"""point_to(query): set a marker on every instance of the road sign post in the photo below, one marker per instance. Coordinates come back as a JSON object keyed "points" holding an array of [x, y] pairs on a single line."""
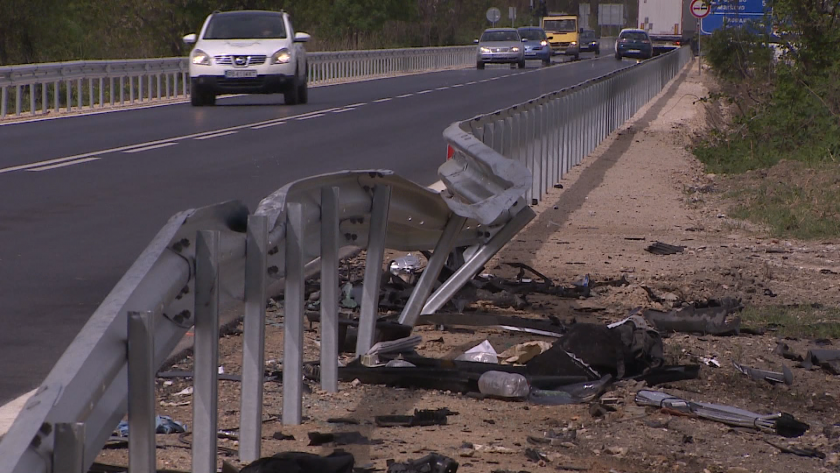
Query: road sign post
{"points": [[700, 9]]}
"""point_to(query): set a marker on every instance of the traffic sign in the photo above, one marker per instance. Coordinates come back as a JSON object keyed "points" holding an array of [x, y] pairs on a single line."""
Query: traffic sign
{"points": [[700, 9], [493, 15]]}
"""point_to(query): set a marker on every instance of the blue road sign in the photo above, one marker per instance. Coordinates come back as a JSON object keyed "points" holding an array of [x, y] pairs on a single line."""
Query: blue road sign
{"points": [[733, 12]]}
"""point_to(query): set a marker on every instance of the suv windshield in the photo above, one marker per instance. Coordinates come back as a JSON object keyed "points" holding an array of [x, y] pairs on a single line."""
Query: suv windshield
{"points": [[587, 35], [633, 36], [246, 25], [532, 35], [560, 26], [500, 36]]}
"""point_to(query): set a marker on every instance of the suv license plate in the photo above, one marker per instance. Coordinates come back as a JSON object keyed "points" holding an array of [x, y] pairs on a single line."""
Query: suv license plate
{"points": [[233, 74]]}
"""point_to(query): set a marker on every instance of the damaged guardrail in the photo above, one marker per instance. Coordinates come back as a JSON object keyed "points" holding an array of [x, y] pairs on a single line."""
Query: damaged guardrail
{"points": [[554, 132], [217, 258], [40, 89]]}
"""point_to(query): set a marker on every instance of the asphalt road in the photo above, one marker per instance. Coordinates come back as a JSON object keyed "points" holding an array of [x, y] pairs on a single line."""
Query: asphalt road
{"points": [[82, 196]]}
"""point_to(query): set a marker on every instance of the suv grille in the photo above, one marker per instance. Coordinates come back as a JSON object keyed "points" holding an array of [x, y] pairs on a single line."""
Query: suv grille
{"points": [[240, 60]]}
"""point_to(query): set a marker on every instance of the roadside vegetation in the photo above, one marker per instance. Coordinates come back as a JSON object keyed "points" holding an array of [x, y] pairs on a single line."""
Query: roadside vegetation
{"points": [[781, 101]]}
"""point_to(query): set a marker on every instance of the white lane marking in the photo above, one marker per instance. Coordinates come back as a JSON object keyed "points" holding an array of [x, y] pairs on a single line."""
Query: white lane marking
{"points": [[404, 96], [442, 88], [217, 135], [55, 166], [152, 143], [149, 148], [9, 412], [383, 100], [310, 116], [343, 110], [266, 126], [354, 105], [472, 82], [424, 92], [457, 85]]}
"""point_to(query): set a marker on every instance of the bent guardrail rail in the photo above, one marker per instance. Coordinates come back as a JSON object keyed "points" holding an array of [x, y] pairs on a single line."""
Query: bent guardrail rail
{"points": [[39, 89]]}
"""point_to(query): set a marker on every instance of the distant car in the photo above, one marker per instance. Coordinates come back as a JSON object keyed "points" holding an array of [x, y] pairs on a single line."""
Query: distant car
{"points": [[536, 44], [633, 43], [588, 42], [247, 52], [500, 46]]}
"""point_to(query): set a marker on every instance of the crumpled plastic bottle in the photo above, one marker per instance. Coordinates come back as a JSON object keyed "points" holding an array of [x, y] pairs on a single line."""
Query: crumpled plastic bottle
{"points": [[502, 384]]}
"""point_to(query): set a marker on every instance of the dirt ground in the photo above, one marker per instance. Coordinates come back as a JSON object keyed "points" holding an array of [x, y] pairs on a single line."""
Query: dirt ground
{"points": [[641, 185]]}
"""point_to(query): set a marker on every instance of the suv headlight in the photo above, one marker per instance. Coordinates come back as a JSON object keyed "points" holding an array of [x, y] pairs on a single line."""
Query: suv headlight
{"points": [[282, 56], [574, 43], [514, 49], [484, 49], [543, 43], [200, 58]]}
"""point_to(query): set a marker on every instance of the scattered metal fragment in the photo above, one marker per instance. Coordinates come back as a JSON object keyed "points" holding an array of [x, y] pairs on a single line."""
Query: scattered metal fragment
{"points": [[829, 360], [431, 463], [281, 436], [343, 420], [406, 268], [402, 345], [659, 248], [802, 452], [781, 423], [786, 376], [535, 455], [784, 350]]}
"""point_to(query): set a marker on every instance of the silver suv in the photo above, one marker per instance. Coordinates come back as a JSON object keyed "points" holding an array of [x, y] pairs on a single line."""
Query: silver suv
{"points": [[247, 52], [500, 46]]}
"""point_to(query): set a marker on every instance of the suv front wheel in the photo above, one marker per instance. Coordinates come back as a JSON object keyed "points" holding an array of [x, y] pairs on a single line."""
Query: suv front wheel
{"points": [[297, 92], [199, 98]]}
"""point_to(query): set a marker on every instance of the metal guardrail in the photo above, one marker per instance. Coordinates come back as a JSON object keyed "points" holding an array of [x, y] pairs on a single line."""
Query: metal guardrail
{"points": [[554, 132], [222, 257], [39, 89]]}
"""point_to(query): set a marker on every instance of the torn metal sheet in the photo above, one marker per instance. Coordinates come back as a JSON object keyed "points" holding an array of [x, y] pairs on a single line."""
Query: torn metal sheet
{"points": [[659, 248], [827, 359], [786, 376], [712, 318], [781, 423]]}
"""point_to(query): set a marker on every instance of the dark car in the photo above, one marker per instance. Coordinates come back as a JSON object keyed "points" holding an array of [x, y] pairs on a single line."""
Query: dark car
{"points": [[633, 43], [536, 44], [589, 42]]}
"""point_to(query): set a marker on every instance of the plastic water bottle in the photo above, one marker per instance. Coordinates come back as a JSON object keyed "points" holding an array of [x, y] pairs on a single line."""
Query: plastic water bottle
{"points": [[502, 384]]}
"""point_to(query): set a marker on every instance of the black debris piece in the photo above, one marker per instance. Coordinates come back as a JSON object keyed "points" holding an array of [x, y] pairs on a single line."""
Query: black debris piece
{"points": [[669, 374], [343, 420], [535, 455], [281, 436], [300, 462], [829, 360], [784, 350], [421, 418], [431, 463], [802, 452], [659, 248], [710, 318], [340, 438]]}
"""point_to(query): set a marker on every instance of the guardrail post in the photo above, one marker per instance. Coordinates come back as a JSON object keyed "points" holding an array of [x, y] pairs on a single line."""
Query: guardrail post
{"points": [[90, 92], [69, 450], [4, 101], [424, 286], [206, 348], [167, 78], [101, 92], [253, 345], [469, 269], [373, 268], [293, 316], [140, 89], [141, 392], [158, 85], [18, 100], [32, 95], [329, 288], [79, 95], [45, 101]]}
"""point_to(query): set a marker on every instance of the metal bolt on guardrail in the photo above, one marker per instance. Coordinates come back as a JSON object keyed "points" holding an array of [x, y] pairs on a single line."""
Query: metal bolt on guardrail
{"points": [[40, 89], [221, 257]]}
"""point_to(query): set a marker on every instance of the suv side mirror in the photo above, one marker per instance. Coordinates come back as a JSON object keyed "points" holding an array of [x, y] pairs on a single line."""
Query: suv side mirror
{"points": [[475, 41], [190, 38], [302, 37], [524, 40]]}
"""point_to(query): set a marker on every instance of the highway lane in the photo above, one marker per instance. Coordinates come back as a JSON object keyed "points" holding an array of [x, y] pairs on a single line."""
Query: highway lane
{"points": [[71, 226]]}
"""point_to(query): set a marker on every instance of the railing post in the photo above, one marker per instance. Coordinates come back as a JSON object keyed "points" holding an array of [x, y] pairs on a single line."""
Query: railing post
{"points": [[141, 392], [206, 348], [293, 317], [69, 450], [4, 99], [329, 289], [79, 95], [32, 94], [101, 92], [253, 345], [45, 101], [373, 268], [18, 99], [90, 92]]}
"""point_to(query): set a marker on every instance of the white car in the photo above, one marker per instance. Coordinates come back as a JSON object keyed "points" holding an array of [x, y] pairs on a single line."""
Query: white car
{"points": [[247, 52]]}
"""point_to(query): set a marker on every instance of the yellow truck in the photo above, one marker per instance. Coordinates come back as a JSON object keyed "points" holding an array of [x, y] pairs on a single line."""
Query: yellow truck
{"points": [[563, 34]]}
